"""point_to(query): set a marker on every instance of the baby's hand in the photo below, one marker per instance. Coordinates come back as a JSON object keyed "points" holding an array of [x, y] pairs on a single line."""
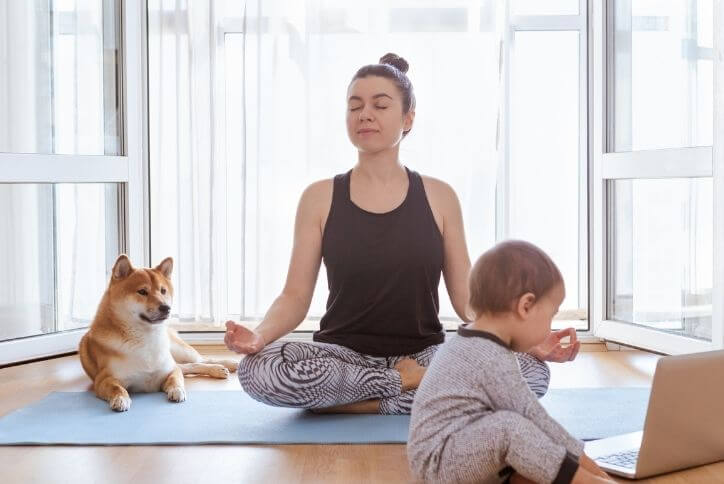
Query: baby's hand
{"points": [[551, 348]]}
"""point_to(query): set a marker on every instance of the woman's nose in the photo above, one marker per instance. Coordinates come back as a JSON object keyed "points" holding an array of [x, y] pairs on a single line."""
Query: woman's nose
{"points": [[365, 114]]}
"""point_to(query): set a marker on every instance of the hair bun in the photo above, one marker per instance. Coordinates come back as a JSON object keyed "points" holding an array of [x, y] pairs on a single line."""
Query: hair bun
{"points": [[396, 61]]}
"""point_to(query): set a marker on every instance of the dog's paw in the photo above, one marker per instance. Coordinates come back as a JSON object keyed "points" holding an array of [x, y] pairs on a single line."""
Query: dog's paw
{"points": [[230, 365], [218, 371], [176, 394], [120, 403]]}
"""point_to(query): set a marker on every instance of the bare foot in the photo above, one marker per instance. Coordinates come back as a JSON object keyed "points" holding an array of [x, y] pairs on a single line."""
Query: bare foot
{"points": [[366, 406], [411, 373]]}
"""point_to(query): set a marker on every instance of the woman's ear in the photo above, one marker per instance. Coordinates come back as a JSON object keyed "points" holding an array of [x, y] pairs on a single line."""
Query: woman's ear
{"points": [[408, 121], [525, 305]]}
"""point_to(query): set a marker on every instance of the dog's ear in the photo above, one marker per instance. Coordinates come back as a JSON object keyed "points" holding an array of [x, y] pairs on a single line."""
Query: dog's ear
{"points": [[165, 267], [122, 267]]}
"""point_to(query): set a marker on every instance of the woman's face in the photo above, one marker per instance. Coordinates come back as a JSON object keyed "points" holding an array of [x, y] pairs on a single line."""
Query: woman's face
{"points": [[375, 121]]}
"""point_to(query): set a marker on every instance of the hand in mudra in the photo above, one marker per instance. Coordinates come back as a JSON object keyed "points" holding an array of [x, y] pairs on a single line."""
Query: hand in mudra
{"points": [[242, 340], [551, 348]]}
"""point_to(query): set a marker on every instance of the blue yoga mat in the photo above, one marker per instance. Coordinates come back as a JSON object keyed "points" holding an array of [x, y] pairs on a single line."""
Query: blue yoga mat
{"points": [[595, 413], [231, 417]]}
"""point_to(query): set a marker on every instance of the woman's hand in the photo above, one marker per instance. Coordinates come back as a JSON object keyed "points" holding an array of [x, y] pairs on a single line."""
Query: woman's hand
{"points": [[551, 348], [242, 340]]}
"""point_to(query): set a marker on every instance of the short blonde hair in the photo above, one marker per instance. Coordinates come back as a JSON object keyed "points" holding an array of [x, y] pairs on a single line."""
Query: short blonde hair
{"points": [[507, 271]]}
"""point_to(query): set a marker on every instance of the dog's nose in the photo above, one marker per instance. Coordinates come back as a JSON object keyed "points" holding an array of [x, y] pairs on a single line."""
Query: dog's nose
{"points": [[164, 308]]}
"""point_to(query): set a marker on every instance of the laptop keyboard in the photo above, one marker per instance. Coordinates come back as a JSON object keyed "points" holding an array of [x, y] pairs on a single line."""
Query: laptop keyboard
{"points": [[626, 459]]}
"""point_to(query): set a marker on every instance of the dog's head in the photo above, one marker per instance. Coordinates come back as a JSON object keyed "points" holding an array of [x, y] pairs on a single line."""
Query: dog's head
{"points": [[141, 296]]}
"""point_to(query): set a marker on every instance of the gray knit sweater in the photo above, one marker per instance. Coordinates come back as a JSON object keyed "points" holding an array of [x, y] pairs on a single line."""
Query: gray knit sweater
{"points": [[474, 415]]}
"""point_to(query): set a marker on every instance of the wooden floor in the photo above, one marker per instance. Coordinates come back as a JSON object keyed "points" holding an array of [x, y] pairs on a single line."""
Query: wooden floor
{"points": [[21, 385]]}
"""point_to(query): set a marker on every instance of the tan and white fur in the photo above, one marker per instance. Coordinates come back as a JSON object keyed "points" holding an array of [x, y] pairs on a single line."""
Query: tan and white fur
{"points": [[128, 347]]}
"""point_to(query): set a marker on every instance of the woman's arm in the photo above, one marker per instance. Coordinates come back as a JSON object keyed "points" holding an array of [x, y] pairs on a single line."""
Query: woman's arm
{"points": [[448, 215], [291, 306]]}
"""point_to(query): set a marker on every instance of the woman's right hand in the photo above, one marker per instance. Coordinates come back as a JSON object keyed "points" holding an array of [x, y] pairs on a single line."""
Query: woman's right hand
{"points": [[242, 340]]}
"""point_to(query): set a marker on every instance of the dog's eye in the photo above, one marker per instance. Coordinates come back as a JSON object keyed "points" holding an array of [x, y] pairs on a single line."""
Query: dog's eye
{"points": [[143, 292], [163, 290]]}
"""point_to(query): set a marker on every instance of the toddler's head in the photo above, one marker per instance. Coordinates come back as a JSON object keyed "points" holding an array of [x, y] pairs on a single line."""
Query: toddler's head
{"points": [[516, 278]]}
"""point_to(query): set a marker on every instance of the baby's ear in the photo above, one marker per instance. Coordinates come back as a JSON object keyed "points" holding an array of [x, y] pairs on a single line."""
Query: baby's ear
{"points": [[525, 304]]}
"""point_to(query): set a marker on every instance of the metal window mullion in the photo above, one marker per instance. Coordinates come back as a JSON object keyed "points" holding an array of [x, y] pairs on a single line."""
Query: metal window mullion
{"points": [[41, 168], [133, 25], [669, 163], [548, 22], [599, 49], [718, 173], [502, 191], [244, 161], [583, 164]]}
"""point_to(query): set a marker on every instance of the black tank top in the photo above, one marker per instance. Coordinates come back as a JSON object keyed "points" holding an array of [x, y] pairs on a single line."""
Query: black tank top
{"points": [[383, 270]]}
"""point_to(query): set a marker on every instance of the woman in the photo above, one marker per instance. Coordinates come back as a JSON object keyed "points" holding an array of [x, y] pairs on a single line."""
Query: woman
{"points": [[385, 234]]}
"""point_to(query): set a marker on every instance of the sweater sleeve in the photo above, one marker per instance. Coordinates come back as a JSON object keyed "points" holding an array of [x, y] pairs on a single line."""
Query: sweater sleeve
{"points": [[507, 390]]}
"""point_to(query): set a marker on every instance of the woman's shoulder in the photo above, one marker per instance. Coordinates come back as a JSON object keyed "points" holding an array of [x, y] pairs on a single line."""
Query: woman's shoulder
{"points": [[439, 193], [436, 184], [319, 187], [317, 195]]}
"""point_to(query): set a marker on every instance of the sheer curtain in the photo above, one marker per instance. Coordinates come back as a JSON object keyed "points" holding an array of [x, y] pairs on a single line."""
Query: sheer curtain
{"points": [[247, 106]]}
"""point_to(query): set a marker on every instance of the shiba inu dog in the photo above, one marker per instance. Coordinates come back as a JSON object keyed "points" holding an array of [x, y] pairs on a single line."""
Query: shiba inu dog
{"points": [[128, 347]]}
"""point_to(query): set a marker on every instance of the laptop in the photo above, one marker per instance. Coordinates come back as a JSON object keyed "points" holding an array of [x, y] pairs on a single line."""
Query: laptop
{"points": [[684, 422]]}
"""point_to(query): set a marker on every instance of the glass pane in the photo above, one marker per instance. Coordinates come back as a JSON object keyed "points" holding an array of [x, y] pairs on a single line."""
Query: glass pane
{"points": [[548, 7], [661, 260], [544, 153], [59, 91], [663, 74], [57, 245]]}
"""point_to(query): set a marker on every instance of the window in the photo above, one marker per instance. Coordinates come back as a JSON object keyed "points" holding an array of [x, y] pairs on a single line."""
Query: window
{"points": [[70, 159], [656, 191]]}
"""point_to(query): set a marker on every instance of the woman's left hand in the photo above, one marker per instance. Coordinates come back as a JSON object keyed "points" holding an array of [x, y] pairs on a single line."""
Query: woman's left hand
{"points": [[551, 348]]}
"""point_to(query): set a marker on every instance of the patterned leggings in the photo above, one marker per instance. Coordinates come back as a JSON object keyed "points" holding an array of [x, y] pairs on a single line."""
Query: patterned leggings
{"points": [[318, 375]]}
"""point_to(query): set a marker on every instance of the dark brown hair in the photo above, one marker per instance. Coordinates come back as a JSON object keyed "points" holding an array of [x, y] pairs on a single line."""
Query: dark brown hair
{"points": [[393, 67], [506, 272]]}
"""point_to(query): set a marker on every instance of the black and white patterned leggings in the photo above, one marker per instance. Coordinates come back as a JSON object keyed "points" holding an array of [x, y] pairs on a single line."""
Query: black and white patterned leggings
{"points": [[318, 375]]}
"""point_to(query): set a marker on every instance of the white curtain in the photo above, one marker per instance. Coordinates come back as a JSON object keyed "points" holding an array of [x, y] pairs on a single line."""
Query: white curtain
{"points": [[247, 106]]}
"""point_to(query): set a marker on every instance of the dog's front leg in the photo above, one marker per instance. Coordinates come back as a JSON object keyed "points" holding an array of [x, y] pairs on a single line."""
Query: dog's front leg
{"points": [[174, 386], [111, 390]]}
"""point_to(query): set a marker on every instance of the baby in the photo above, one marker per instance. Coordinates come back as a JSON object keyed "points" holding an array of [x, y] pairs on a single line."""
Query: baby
{"points": [[474, 418]]}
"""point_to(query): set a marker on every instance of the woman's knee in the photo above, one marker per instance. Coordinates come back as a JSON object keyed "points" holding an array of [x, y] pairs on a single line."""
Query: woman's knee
{"points": [[254, 371], [535, 372], [269, 376]]}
